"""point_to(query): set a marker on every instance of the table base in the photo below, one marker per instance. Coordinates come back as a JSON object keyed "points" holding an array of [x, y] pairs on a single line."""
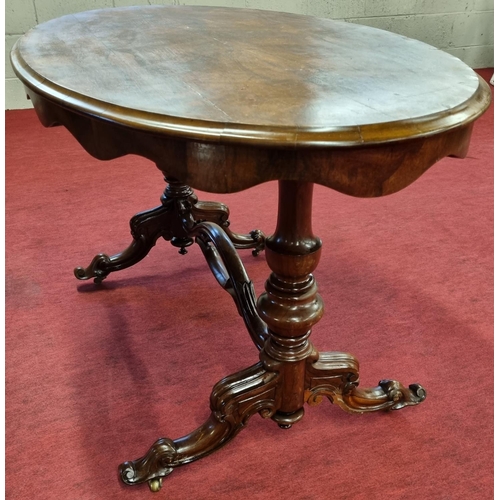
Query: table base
{"points": [[166, 221], [259, 389], [291, 372]]}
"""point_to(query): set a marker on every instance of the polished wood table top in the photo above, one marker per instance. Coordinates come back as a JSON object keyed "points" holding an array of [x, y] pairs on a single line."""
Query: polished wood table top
{"points": [[215, 73], [251, 78], [224, 99]]}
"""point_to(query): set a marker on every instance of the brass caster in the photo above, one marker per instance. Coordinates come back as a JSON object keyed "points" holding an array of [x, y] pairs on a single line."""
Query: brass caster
{"points": [[155, 484]]}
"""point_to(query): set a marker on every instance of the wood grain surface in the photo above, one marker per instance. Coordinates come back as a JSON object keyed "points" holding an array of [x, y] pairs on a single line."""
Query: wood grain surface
{"points": [[248, 76]]}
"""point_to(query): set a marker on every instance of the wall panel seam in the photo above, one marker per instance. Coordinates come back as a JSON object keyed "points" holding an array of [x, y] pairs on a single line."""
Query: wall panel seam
{"points": [[36, 13], [468, 46], [417, 14]]}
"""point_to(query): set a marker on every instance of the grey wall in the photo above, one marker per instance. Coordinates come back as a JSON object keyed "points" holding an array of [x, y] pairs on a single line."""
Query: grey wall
{"points": [[463, 28]]}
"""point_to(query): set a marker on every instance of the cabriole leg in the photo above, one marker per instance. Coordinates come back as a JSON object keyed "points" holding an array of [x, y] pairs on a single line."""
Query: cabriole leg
{"points": [[335, 375], [233, 401]]}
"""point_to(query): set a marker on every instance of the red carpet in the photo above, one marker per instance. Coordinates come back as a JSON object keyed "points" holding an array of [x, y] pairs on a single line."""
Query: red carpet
{"points": [[95, 375]]}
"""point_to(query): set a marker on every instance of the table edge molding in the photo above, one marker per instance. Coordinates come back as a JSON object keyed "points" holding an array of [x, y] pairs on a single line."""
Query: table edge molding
{"points": [[253, 135]]}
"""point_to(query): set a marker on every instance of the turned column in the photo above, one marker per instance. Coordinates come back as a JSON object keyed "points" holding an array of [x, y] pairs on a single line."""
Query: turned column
{"points": [[291, 305]]}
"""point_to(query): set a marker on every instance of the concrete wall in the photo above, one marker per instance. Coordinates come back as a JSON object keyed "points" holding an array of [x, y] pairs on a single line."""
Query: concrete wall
{"points": [[463, 28]]}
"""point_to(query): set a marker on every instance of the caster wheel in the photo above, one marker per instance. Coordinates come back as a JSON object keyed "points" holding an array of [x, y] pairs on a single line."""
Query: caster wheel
{"points": [[155, 484]]}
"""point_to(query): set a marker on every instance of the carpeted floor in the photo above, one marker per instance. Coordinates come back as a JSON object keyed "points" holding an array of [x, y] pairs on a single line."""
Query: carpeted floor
{"points": [[94, 375]]}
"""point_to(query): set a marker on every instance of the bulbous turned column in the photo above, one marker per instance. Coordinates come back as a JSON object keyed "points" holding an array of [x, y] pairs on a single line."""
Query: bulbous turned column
{"points": [[291, 305]]}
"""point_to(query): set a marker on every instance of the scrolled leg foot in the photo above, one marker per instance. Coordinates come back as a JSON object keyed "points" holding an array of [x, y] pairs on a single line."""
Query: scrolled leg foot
{"points": [[335, 376], [152, 467], [255, 240], [259, 239], [218, 213], [388, 395], [97, 269], [401, 396], [145, 227], [233, 401]]}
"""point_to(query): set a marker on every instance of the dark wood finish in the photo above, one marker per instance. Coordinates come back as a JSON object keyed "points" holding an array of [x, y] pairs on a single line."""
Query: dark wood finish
{"points": [[247, 77], [233, 401], [362, 171], [166, 221], [291, 371], [224, 99]]}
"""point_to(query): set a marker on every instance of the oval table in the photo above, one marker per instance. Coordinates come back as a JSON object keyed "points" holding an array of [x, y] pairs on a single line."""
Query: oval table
{"points": [[224, 99]]}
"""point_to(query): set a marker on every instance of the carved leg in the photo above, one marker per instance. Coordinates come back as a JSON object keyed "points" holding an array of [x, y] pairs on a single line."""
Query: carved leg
{"points": [[167, 221], [234, 400], [290, 371], [218, 213], [335, 375], [146, 227]]}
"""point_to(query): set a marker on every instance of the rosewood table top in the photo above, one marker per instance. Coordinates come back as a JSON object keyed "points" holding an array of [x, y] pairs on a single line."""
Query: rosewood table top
{"points": [[228, 80], [224, 99]]}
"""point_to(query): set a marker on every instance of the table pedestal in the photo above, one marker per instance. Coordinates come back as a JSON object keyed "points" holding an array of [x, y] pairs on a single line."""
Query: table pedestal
{"points": [[166, 221], [290, 371]]}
